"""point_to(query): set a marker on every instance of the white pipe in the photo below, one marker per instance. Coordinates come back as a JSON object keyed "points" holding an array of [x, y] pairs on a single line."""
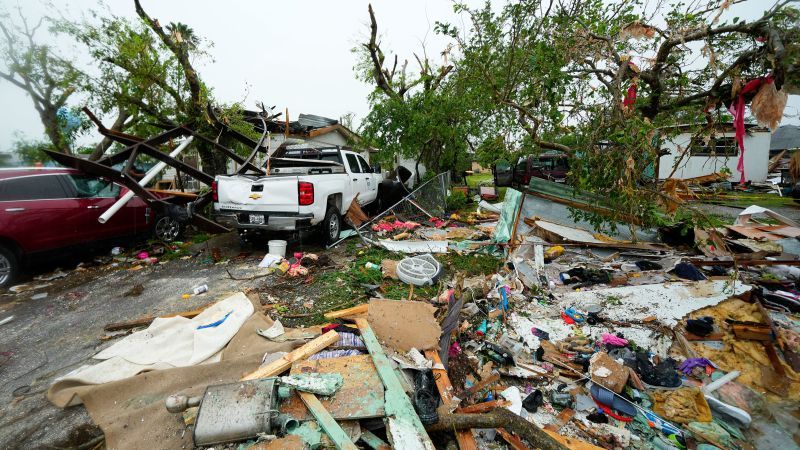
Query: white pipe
{"points": [[714, 385], [155, 170]]}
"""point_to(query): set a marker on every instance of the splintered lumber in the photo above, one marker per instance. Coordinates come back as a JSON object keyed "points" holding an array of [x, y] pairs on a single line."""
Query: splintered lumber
{"points": [[283, 363], [515, 442], [340, 439], [144, 321], [744, 262], [404, 428], [355, 215], [477, 387], [499, 418], [360, 309], [464, 438], [479, 408]]}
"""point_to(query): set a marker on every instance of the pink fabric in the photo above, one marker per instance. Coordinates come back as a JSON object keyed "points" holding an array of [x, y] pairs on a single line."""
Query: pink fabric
{"points": [[616, 341], [737, 110], [630, 98]]}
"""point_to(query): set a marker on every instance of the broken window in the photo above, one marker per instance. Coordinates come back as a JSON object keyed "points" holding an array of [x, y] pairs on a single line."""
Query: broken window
{"points": [[724, 146], [88, 186]]}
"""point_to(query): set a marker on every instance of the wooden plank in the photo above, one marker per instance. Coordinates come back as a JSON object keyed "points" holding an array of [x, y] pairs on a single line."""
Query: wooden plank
{"points": [[745, 262], [477, 387], [464, 438], [479, 408], [188, 195], [145, 321], [360, 309], [403, 425], [374, 442], [284, 362], [752, 332], [340, 439], [360, 397], [563, 417], [515, 442]]}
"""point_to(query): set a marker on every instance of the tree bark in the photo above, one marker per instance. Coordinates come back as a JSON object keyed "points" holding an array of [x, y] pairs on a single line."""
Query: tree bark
{"points": [[499, 418], [102, 146]]}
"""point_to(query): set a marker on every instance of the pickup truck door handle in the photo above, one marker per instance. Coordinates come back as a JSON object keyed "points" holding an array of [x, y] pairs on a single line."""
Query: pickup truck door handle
{"points": [[15, 209], [93, 207], [355, 179]]}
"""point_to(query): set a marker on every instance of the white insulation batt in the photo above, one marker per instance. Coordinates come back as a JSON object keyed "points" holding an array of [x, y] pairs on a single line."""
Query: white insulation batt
{"points": [[667, 302]]}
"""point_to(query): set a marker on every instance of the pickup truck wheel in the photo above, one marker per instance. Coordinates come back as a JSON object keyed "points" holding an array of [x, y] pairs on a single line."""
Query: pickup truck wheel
{"points": [[9, 266], [167, 228], [331, 225]]}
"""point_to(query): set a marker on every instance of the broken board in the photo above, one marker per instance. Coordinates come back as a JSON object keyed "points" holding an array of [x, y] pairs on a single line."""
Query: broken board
{"points": [[403, 325], [360, 397]]}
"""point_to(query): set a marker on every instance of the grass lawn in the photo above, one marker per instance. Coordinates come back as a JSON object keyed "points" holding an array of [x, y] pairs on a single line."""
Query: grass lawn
{"points": [[473, 181]]}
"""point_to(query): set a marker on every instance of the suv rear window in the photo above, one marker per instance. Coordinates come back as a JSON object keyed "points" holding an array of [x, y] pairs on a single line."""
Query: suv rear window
{"points": [[36, 187]]}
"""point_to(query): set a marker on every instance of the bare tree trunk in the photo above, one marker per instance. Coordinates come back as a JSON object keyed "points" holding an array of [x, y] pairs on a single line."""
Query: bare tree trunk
{"points": [[499, 418], [102, 146]]}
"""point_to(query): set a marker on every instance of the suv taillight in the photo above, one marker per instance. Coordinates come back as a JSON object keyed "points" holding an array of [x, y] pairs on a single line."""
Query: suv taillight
{"points": [[214, 194], [305, 193]]}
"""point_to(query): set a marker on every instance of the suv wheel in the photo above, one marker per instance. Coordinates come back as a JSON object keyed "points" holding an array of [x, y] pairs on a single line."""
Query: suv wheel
{"points": [[332, 225], [167, 228], [9, 266]]}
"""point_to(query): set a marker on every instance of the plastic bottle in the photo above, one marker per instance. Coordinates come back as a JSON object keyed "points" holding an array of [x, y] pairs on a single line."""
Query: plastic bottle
{"points": [[200, 289], [372, 266]]}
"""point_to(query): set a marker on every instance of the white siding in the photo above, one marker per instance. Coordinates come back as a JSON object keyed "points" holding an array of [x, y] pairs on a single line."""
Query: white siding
{"points": [[756, 159]]}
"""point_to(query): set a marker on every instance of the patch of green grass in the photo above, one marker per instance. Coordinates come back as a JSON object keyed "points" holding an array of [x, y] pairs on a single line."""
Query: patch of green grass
{"points": [[470, 264], [475, 180]]}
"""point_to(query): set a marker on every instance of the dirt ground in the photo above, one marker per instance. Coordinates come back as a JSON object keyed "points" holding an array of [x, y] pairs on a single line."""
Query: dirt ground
{"points": [[51, 336]]}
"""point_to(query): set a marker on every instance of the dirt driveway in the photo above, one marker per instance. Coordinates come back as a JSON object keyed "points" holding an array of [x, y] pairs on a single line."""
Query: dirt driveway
{"points": [[51, 336]]}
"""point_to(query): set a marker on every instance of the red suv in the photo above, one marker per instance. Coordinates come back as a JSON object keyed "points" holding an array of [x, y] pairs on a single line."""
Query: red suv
{"points": [[46, 209]]}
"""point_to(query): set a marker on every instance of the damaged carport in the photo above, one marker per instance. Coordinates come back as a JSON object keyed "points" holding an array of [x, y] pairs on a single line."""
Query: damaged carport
{"points": [[136, 146]]}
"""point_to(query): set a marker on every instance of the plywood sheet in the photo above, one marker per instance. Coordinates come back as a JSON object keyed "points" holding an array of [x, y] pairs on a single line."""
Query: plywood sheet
{"points": [[753, 233], [403, 325], [360, 397], [782, 230]]}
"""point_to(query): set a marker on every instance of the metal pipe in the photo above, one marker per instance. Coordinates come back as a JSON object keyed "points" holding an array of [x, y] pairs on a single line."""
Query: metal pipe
{"points": [[155, 170]]}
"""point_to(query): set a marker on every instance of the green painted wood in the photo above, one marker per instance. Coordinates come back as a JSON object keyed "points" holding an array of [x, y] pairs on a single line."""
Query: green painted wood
{"points": [[374, 442], [340, 439], [405, 429]]}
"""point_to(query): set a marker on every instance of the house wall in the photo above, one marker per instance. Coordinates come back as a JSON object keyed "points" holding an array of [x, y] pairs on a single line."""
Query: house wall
{"points": [[756, 159]]}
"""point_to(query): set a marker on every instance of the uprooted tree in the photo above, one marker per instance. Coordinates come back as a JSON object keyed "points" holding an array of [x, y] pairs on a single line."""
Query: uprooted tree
{"points": [[139, 77], [607, 83]]}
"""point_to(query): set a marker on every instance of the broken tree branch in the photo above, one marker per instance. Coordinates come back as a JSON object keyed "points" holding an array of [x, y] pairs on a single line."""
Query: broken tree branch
{"points": [[499, 418]]}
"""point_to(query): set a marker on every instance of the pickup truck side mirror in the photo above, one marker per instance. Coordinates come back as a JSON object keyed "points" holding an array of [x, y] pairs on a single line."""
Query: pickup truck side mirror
{"points": [[376, 168]]}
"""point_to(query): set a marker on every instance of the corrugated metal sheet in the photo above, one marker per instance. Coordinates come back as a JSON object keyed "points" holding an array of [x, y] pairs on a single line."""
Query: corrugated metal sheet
{"points": [[311, 121]]}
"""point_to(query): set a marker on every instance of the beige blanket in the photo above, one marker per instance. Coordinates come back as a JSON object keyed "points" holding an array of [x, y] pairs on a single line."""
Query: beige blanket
{"points": [[131, 411]]}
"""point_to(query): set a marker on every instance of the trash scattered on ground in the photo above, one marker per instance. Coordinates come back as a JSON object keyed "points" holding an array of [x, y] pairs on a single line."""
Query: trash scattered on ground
{"points": [[562, 338]]}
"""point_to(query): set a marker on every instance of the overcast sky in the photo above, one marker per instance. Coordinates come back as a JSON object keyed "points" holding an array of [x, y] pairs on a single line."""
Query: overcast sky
{"points": [[294, 54]]}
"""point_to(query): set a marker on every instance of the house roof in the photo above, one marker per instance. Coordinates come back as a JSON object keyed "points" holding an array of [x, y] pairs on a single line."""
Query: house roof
{"points": [[306, 125], [786, 137]]}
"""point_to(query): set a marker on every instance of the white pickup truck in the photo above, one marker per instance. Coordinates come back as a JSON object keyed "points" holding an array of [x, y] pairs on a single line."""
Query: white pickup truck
{"points": [[304, 188]]}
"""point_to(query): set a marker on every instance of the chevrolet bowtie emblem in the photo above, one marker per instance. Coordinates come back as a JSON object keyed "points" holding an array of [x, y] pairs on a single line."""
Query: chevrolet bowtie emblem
{"points": [[255, 196]]}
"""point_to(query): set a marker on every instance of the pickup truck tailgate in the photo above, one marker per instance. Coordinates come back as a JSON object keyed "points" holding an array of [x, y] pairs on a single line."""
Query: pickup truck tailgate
{"points": [[279, 193]]}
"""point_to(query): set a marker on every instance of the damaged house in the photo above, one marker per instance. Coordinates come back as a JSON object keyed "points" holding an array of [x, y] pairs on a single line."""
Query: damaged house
{"points": [[691, 157]]}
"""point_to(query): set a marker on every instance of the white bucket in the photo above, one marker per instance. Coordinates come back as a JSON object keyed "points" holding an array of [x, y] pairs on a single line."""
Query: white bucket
{"points": [[277, 247]]}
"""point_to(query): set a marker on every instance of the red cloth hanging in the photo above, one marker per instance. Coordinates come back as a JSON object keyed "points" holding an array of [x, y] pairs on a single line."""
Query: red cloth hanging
{"points": [[737, 110], [630, 97]]}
